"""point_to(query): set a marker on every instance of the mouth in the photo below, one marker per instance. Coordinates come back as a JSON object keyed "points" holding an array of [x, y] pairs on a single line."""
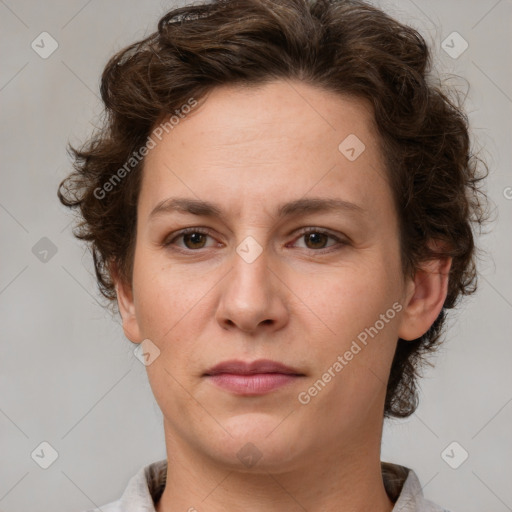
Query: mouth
{"points": [[252, 378], [260, 366]]}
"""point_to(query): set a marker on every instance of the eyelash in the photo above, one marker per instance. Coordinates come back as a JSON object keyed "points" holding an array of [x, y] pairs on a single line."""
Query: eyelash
{"points": [[175, 236]]}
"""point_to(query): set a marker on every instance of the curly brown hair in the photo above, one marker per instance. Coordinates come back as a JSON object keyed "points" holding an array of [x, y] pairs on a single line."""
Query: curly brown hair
{"points": [[344, 46]]}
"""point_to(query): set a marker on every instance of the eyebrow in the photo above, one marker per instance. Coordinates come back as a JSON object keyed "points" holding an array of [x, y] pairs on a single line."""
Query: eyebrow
{"points": [[297, 207]]}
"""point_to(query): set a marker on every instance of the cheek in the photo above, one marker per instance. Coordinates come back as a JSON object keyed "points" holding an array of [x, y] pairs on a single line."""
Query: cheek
{"points": [[365, 342], [159, 297], [170, 308], [346, 300], [153, 307], [351, 303]]}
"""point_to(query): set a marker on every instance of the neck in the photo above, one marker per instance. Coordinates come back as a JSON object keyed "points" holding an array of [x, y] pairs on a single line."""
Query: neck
{"points": [[343, 478]]}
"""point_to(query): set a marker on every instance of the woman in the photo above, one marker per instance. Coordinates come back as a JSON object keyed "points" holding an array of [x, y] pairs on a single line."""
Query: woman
{"points": [[280, 205]]}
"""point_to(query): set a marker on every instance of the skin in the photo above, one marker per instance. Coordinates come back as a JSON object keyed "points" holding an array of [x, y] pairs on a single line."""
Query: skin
{"points": [[301, 302]]}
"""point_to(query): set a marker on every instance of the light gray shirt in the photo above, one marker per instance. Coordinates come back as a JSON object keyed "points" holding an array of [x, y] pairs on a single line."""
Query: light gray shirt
{"points": [[145, 488]]}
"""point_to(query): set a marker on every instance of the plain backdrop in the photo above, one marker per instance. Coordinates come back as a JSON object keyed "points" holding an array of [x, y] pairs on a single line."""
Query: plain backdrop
{"points": [[69, 378]]}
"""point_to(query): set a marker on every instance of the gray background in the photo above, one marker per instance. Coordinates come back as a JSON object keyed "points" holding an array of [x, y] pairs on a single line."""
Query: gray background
{"points": [[68, 376]]}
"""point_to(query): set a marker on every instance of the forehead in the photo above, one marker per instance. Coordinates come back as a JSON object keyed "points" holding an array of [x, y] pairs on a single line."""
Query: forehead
{"points": [[279, 141]]}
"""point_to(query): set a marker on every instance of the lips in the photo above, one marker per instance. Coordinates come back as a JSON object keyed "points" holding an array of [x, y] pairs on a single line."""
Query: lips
{"points": [[260, 366], [256, 378]]}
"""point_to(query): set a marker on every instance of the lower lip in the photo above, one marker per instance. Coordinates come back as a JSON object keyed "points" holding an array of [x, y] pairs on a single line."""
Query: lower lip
{"points": [[256, 384]]}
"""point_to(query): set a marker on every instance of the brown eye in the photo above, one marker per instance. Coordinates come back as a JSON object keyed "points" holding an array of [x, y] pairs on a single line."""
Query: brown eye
{"points": [[189, 239], [316, 240], [194, 240]]}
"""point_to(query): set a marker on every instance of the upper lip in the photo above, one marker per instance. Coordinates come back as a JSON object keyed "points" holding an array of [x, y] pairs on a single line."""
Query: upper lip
{"points": [[238, 367]]}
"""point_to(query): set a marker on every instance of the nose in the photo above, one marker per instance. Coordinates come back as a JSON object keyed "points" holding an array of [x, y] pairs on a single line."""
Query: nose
{"points": [[253, 297]]}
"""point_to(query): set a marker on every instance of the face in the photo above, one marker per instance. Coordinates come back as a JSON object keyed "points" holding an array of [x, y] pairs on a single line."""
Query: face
{"points": [[294, 260]]}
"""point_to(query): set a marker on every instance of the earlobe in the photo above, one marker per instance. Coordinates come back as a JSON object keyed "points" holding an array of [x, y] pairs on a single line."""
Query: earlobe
{"points": [[126, 305], [425, 301]]}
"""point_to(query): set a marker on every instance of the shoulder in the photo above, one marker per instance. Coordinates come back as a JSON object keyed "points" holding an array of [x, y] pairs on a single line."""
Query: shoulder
{"points": [[142, 491], [404, 488]]}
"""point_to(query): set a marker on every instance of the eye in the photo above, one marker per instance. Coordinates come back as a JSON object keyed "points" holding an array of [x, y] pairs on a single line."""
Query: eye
{"points": [[193, 238], [196, 238], [315, 239]]}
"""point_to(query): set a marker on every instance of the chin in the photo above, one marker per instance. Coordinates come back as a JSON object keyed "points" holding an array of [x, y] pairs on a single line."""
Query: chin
{"points": [[258, 443]]}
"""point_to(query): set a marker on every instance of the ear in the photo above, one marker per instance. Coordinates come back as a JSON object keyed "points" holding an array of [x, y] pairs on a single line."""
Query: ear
{"points": [[425, 298], [126, 306]]}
